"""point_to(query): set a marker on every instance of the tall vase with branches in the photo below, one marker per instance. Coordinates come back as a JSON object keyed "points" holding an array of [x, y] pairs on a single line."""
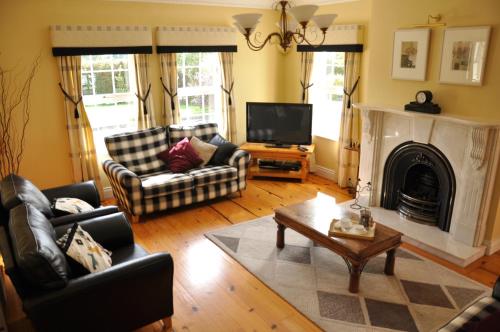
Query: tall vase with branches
{"points": [[15, 89]]}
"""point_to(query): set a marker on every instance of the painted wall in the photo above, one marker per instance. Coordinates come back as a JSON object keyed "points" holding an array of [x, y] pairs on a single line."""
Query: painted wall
{"points": [[357, 12], [24, 33]]}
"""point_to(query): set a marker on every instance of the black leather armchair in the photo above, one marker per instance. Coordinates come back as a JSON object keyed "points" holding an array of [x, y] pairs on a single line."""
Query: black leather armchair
{"points": [[15, 190], [135, 291]]}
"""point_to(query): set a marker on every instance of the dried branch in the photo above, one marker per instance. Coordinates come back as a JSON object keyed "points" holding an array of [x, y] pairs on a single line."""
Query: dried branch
{"points": [[14, 116]]}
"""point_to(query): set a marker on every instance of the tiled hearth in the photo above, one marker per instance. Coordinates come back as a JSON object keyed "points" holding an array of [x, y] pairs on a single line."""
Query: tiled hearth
{"points": [[472, 149]]}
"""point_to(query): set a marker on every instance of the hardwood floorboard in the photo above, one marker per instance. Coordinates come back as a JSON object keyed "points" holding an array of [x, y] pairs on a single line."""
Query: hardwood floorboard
{"points": [[212, 292]]}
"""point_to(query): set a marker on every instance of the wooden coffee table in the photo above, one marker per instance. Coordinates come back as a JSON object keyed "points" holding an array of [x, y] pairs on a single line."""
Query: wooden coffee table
{"points": [[312, 219]]}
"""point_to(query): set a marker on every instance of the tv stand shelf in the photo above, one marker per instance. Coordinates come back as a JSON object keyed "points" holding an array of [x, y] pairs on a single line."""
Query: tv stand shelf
{"points": [[260, 151]]}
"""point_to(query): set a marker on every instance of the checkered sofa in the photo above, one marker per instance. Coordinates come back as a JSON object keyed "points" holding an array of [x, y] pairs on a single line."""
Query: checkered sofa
{"points": [[142, 185], [479, 310]]}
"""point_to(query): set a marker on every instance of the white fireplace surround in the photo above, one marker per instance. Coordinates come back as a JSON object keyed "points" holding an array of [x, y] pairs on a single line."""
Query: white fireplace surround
{"points": [[471, 146]]}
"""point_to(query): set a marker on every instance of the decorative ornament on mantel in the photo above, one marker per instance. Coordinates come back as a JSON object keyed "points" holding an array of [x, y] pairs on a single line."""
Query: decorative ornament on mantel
{"points": [[294, 21]]}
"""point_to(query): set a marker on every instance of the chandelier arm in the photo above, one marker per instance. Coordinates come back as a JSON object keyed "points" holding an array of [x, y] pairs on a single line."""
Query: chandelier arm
{"points": [[255, 47], [298, 37], [315, 45]]}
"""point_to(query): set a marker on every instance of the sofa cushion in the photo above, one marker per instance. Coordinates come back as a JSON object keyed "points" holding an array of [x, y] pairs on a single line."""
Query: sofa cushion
{"points": [[225, 150], [205, 150], [138, 151], [16, 190], [213, 174], [39, 259], [181, 157], [165, 183], [205, 132]]}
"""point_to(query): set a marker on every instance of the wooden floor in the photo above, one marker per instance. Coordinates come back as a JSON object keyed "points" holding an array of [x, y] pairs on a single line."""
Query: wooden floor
{"points": [[212, 292]]}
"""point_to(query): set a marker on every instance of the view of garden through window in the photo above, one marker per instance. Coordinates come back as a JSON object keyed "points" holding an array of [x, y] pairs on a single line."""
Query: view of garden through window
{"points": [[199, 92], [109, 86], [327, 93]]}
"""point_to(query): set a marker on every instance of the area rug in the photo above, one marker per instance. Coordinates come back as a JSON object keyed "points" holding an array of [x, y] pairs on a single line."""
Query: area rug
{"points": [[421, 296]]}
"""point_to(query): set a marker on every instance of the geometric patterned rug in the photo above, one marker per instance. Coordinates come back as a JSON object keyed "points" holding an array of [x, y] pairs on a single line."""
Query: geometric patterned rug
{"points": [[421, 296]]}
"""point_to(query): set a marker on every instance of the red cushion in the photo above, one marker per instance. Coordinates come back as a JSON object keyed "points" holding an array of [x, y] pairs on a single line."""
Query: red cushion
{"points": [[181, 157]]}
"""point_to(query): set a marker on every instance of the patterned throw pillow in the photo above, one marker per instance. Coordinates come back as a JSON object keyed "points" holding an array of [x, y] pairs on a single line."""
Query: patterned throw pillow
{"points": [[204, 150], [181, 157], [80, 246], [66, 205]]}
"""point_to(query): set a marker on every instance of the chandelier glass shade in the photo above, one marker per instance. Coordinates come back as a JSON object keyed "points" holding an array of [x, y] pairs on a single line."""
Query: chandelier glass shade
{"points": [[294, 21]]}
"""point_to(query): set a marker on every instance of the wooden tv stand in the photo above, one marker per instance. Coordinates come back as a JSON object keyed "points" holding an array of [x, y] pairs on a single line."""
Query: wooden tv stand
{"points": [[260, 151]]}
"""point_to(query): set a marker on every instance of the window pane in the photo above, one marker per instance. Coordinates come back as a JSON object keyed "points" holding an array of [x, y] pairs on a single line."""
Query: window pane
{"points": [[121, 82], [209, 103], [206, 76], [103, 83], [195, 105], [192, 77], [120, 62], [192, 59], [180, 79], [87, 84], [101, 62], [86, 60]]}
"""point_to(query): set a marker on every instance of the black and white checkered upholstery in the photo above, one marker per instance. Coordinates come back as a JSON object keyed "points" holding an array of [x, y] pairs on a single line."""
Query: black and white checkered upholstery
{"points": [[205, 132], [165, 183], [213, 174], [479, 310], [141, 192], [137, 151]]}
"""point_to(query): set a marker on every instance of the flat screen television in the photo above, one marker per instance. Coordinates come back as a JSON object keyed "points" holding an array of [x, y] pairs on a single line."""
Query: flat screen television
{"points": [[279, 124]]}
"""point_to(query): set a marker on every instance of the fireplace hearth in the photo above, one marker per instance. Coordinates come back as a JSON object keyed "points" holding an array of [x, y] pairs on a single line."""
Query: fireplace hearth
{"points": [[420, 184]]}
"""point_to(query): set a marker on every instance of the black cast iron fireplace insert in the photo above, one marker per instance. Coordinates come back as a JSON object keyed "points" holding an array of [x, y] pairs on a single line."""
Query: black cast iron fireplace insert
{"points": [[419, 183]]}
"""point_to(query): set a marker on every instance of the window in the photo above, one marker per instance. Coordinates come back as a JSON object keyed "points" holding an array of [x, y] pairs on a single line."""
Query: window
{"points": [[109, 87], [327, 93], [199, 92]]}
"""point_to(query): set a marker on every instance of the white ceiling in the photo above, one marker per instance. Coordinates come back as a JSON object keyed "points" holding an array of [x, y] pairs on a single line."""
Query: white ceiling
{"points": [[265, 4]]}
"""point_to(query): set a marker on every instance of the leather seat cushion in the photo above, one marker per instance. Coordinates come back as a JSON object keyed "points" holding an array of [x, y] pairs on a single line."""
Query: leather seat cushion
{"points": [[15, 190], [41, 262], [165, 183], [213, 174], [128, 253]]}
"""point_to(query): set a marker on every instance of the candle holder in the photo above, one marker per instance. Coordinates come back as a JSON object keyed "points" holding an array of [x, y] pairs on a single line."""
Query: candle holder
{"points": [[359, 190]]}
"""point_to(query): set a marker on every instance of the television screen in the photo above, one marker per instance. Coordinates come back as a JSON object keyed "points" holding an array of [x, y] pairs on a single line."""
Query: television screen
{"points": [[279, 123]]}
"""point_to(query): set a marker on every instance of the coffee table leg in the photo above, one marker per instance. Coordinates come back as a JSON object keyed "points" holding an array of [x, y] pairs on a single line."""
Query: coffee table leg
{"points": [[280, 236], [389, 262], [355, 274]]}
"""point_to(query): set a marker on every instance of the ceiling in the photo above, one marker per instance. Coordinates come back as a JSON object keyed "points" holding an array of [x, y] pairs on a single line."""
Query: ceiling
{"points": [[265, 4]]}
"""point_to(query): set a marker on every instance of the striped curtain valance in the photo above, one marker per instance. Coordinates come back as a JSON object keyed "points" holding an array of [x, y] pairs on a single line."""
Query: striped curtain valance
{"points": [[339, 38], [68, 40], [196, 39]]}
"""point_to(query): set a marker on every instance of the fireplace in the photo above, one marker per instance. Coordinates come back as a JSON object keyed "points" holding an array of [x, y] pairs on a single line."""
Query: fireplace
{"points": [[419, 183]]}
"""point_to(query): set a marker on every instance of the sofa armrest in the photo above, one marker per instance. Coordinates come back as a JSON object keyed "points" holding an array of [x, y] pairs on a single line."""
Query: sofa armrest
{"points": [[126, 185], [86, 191], [72, 218], [123, 297], [241, 160], [496, 290], [110, 231]]}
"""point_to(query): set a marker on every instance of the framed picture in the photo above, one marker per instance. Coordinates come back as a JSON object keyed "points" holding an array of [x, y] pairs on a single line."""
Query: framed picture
{"points": [[464, 55], [409, 60]]}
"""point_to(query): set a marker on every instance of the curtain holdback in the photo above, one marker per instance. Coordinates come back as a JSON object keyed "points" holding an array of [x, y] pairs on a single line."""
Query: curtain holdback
{"points": [[67, 95]]}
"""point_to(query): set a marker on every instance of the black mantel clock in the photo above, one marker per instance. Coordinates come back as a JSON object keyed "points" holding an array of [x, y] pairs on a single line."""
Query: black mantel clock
{"points": [[423, 103]]}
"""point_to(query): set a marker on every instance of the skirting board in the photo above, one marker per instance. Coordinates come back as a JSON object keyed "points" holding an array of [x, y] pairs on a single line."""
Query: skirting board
{"points": [[492, 246], [327, 173], [108, 193]]}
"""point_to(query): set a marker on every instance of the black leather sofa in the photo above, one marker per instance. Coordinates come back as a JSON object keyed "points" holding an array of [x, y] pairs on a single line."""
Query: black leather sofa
{"points": [[15, 190], [58, 295]]}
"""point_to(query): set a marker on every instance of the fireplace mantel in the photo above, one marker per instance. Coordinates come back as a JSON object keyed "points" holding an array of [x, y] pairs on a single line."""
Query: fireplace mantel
{"points": [[464, 120], [472, 147]]}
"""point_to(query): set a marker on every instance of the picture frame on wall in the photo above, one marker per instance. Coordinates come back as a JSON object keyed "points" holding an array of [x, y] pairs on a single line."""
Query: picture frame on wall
{"points": [[463, 58], [411, 49]]}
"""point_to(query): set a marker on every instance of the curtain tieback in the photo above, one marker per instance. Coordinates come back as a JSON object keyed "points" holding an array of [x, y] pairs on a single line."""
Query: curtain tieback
{"points": [[170, 94], [349, 94], [143, 99], [228, 92], [67, 95], [304, 90]]}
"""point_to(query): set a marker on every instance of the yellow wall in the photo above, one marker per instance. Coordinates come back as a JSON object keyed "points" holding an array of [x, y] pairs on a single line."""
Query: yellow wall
{"points": [[357, 12], [24, 33]]}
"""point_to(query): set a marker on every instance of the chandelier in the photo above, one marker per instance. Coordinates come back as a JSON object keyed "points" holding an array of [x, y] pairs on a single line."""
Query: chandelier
{"points": [[292, 26]]}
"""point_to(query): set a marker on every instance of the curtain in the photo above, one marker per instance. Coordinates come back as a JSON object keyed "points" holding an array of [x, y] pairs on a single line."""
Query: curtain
{"points": [[146, 115], [306, 65], [349, 124], [171, 114], [228, 104], [81, 139]]}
